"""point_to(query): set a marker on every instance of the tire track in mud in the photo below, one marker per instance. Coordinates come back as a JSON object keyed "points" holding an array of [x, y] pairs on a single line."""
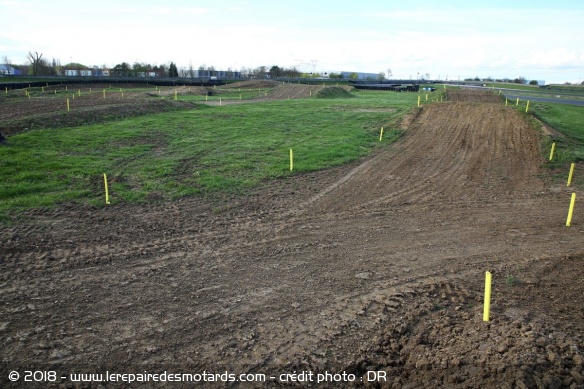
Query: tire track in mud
{"points": [[451, 151], [286, 285]]}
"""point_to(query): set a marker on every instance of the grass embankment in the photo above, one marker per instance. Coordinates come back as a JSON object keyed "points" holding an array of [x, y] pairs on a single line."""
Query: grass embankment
{"points": [[196, 152], [566, 119]]}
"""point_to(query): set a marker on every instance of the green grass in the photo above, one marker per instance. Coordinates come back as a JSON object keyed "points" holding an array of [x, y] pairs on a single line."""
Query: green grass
{"points": [[566, 119], [205, 151]]}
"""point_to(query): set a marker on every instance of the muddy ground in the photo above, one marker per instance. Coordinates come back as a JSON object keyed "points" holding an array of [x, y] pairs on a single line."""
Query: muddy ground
{"points": [[370, 270]]}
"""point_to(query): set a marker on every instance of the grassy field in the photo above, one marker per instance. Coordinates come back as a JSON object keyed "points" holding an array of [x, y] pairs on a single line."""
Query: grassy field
{"points": [[197, 152]]}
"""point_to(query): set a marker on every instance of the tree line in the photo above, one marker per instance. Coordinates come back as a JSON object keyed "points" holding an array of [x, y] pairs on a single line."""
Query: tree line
{"points": [[39, 65]]}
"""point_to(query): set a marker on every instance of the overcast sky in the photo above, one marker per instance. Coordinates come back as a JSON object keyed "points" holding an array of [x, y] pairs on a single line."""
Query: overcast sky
{"points": [[540, 40]]}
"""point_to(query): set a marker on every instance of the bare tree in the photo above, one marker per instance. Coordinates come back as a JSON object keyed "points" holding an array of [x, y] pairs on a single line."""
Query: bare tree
{"points": [[35, 62], [191, 70], [8, 62]]}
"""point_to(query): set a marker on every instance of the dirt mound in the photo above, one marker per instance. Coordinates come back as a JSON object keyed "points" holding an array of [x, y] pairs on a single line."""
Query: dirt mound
{"points": [[254, 84], [467, 152], [333, 92], [41, 115], [472, 95]]}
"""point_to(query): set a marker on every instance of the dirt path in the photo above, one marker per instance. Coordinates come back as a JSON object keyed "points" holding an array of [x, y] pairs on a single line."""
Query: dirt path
{"points": [[374, 266]]}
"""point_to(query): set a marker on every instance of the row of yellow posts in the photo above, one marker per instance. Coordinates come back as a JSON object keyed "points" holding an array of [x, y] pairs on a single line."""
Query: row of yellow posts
{"points": [[570, 176], [488, 276]]}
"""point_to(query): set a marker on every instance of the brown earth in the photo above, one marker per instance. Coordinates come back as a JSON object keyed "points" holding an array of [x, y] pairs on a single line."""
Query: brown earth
{"points": [[86, 105], [377, 266]]}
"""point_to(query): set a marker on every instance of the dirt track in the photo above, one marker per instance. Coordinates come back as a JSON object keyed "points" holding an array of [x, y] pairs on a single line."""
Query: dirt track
{"points": [[374, 266]]}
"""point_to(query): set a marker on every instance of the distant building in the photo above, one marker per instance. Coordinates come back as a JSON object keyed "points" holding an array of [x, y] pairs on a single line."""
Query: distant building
{"points": [[360, 76], [7, 70], [216, 73]]}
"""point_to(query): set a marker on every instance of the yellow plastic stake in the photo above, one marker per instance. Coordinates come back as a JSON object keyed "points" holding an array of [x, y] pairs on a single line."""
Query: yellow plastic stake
{"points": [[552, 151], [381, 134], [571, 210], [79, 92], [517, 103], [506, 101], [106, 191], [67, 105], [418, 100], [206, 97], [571, 173], [426, 97], [291, 160], [527, 107], [487, 307]]}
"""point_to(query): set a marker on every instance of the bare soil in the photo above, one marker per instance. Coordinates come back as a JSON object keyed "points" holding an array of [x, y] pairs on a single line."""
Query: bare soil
{"points": [[86, 105], [377, 266]]}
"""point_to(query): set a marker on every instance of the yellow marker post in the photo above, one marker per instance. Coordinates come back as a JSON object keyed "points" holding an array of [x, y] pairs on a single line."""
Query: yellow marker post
{"points": [[67, 105], [43, 88], [418, 100], [517, 103], [552, 151], [426, 97], [291, 160], [381, 134], [175, 96], [206, 97], [527, 107], [571, 173], [571, 210], [79, 92], [106, 191], [487, 307], [506, 101]]}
